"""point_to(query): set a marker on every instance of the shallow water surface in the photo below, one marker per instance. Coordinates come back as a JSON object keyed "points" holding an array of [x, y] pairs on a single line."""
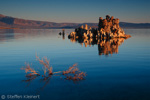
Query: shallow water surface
{"points": [[116, 70]]}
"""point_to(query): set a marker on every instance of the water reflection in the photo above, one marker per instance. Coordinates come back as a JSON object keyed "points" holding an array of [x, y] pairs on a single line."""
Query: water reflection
{"points": [[14, 34], [105, 47], [28, 80], [63, 34]]}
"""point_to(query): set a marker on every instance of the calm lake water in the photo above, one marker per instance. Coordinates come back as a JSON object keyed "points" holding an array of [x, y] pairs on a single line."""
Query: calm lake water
{"points": [[115, 70]]}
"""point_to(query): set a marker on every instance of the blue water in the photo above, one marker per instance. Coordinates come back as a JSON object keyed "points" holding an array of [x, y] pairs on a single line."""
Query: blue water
{"points": [[121, 75]]}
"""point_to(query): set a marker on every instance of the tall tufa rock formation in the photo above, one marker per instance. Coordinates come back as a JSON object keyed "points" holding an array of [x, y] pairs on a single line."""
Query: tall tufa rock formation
{"points": [[107, 28]]}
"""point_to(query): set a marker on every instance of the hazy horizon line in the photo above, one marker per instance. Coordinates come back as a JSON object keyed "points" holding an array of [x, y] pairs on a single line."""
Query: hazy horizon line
{"points": [[70, 22]]}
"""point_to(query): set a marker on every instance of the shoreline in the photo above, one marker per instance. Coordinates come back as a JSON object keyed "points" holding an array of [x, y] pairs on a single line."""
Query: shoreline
{"points": [[56, 28]]}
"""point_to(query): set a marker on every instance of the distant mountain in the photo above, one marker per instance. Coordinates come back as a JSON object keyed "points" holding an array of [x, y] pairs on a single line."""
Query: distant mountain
{"points": [[11, 22], [134, 25]]}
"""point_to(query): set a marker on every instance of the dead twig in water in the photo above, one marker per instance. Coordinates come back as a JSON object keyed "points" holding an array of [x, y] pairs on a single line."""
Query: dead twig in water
{"points": [[46, 66], [73, 73], [31, 71]]}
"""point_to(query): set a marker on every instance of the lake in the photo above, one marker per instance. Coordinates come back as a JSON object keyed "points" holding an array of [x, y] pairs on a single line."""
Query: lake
{"points": [[118, 69]]}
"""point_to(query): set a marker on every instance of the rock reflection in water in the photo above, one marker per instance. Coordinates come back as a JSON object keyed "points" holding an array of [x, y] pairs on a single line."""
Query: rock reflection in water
{"points": [[109, 46], [63, 34], [105, 47]]}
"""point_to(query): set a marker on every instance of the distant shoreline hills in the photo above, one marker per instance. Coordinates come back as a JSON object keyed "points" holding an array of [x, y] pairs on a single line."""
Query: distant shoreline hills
{"points": [[7, 22]]}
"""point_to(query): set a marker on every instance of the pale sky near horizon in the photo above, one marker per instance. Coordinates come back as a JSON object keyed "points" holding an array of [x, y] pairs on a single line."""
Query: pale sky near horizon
{"points": [[77, 11]]}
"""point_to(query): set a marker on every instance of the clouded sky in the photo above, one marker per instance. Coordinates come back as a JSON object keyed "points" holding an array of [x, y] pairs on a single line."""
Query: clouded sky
{"points": [[137, 11]]}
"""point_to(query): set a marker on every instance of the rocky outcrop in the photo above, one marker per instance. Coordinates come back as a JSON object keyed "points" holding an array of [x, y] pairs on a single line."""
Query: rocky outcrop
{"points": [[107, 28]]}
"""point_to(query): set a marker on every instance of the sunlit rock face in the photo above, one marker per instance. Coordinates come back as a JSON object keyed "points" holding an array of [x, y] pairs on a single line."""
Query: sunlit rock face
{"points": [[107, 28]]}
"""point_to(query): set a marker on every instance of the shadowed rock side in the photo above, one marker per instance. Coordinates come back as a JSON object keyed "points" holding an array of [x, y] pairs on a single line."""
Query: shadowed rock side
{"points": [[105, 46], [107, 28]]}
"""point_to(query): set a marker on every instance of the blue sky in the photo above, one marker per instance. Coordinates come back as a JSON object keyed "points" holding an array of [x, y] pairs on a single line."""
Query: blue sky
{"points": [[78, 11]]}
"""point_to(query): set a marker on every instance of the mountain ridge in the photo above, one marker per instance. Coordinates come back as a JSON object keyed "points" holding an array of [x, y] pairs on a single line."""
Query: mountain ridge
{"points": [[12, 22]]}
